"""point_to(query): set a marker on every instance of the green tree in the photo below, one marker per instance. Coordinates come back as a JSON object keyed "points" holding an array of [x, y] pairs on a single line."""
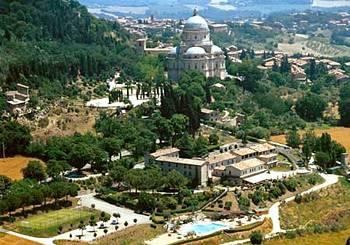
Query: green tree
{"points": [[55, 168], [310, 107], [176, 180], [117, 173], [80, 155], [293, 138], [146, 202], [200, 147], [322, 159], [112, 146], [34, 170], [213, 139], [186, 145], [344, 105]]}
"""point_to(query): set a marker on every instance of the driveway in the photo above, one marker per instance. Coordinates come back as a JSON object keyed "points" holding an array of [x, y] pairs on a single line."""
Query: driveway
{"points": [[126, 214]]}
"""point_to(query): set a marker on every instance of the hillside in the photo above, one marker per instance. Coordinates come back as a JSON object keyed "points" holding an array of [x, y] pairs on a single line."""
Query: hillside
{"points": [[47, 43]]}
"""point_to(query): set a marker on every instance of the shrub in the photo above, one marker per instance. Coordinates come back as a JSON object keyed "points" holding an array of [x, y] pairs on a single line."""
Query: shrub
{"points": [[291, 234], [256, 237], [228, 205], [257, 197], [298, 198], [291, 184], [244, 203]]}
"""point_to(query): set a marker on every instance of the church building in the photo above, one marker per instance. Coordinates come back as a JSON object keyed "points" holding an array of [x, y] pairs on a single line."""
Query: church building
{"points": [[196, 52]]}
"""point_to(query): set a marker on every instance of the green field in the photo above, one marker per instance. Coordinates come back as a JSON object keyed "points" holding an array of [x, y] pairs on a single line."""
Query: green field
{"points": [[47, 224]]}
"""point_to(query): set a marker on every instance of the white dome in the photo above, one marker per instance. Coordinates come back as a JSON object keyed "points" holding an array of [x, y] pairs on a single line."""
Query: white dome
{"points": [[196, 23], [216, 50], [195, 51]]}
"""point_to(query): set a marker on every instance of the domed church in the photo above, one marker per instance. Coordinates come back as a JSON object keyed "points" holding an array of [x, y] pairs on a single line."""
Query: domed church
{"points": [[196, 52]]}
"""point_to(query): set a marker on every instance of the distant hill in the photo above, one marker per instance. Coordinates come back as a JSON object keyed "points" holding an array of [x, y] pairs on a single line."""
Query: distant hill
{"points": [[46, 43]]}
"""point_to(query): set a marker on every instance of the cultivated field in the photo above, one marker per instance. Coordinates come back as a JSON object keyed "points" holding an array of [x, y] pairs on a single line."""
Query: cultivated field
{"points": [[314, 47], [12, 166], [47, 224], [6, 239], [339, 134]]}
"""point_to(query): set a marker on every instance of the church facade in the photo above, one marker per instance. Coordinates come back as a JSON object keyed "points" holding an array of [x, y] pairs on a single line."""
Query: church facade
{"points": [[196, 52]]}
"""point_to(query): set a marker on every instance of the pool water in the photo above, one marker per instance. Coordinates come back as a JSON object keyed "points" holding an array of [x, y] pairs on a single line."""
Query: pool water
{"points": [[206, 228]]}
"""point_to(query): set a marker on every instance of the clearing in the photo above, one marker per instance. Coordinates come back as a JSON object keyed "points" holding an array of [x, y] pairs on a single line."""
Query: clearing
{"points": [[339, 134], [47, 224], [12, 166], [6, 239]]}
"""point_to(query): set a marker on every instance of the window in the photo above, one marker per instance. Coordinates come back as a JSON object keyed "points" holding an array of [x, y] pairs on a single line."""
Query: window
{"points": [[195, 37], [195, 66]]}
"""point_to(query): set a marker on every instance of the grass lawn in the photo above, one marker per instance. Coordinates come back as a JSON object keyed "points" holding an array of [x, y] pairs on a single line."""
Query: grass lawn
{"points": [[47, 224], [6, 239], [134, 235], [12, 166], [282, 168], [339, 134]]}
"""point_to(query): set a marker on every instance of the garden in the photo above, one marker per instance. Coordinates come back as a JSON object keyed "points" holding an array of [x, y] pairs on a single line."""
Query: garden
{"points": [[162, 206]]}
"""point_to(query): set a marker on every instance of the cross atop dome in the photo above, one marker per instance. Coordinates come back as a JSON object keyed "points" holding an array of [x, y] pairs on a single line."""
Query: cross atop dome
{"points": [[195, 11]]}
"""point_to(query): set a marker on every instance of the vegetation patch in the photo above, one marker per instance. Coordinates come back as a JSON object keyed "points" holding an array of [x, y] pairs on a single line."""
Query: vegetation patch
{"points": [[327, 211], [134, 235]]}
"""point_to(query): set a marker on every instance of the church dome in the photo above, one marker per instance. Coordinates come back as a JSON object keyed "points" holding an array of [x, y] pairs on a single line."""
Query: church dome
{"points": [[216, 50], [195, 51], [196, 22]]}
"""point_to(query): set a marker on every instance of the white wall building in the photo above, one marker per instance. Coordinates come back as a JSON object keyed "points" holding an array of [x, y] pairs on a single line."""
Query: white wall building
{"points": [[196, 52], [193, 169]]}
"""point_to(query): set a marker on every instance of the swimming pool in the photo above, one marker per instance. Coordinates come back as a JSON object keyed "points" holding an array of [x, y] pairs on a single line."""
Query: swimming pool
{"points": [[203, 228]]}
